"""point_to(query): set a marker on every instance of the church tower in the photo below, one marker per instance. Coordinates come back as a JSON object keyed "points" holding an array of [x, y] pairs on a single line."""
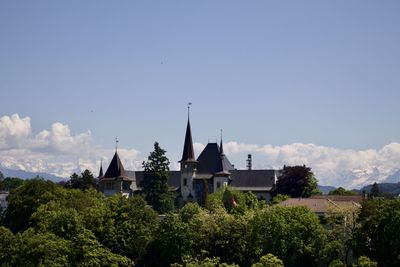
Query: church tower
{"points": [[188, 164]]}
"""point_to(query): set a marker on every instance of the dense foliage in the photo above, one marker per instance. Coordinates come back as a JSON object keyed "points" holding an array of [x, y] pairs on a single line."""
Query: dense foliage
{"points": [[49, 225], [297, 181], [340, 191]]}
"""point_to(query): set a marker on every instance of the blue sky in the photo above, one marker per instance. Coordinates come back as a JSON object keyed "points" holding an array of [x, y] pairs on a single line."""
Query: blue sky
{"points": [[267, 72]]}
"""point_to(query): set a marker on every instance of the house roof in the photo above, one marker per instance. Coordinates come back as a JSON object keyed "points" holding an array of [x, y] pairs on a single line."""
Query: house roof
{"points": [[115, 169], [261, 179], [210, 158], [356, 199], [188, 151], [318, 205]]}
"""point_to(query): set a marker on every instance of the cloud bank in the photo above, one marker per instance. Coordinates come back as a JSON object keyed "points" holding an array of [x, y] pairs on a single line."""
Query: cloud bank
{"points": [[55, 151], [59, 152], [332, 166]]}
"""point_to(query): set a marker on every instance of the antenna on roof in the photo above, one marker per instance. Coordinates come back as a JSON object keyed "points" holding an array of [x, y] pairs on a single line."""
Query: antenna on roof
{"points": [[188, 107], [116, 144]]}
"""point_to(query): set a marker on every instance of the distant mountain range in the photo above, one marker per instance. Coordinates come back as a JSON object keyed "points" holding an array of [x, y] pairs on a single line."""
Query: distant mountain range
{"points": [[391, 188], [28, 175], [325, 189]]}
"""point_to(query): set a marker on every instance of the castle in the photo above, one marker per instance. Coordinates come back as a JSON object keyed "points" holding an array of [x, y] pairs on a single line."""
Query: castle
{"points": [[196, 177]]}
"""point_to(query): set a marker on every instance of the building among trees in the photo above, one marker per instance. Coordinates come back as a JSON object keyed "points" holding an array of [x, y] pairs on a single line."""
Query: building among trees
{"points": [[197, 177]]}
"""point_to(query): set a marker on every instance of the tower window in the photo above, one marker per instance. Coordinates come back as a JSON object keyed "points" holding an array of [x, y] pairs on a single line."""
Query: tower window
{"points": [[218, 184], [185, 182]]}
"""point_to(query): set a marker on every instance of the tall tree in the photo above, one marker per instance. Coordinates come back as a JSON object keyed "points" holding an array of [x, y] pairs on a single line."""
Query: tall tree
{"points": [[378, 234], [297, 181], [155, 180], [375, 192]]}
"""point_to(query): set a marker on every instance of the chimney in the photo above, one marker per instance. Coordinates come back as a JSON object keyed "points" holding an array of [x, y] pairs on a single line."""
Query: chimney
{"points": [[249, 163]]}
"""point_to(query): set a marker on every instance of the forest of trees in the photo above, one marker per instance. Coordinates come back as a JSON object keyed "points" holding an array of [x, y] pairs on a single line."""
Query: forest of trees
{"points": [[49, 225]]}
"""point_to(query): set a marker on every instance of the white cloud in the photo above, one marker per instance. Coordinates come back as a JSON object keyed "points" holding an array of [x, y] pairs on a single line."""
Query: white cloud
{"points": [[332, 166], [56, 151], [13, 131]]}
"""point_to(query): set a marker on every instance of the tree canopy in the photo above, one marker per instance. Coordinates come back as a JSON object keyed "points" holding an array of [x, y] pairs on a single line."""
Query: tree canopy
{"points": [[342, 192], [297, 181]]}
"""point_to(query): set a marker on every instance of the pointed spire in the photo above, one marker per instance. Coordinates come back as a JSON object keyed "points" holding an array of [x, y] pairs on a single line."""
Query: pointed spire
{"points": [[116, 169], [101, 169], [188, 151], [221, 166], [221, 148]]}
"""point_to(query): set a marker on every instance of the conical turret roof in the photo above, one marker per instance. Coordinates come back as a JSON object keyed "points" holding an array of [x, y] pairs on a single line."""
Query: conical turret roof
{"points": [[101, 170], [188, 151], [116, 169]]}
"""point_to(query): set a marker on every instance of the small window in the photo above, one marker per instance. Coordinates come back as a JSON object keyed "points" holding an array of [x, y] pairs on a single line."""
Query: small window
{"points": [[185, 182], [218, 184]]}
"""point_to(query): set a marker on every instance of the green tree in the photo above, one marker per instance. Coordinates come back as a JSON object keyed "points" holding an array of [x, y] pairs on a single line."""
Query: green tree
{"points": [[365, 262], [173, 242], [340, 224], [132, 226], [32, 249], [297, 181], [377, 237], [342, 192], [155, 181], [293, 234], [207, 262], [11, 183], [279, 198], [83, 182], [25, 200], [268, 260], [87, 251], [375, 192]]}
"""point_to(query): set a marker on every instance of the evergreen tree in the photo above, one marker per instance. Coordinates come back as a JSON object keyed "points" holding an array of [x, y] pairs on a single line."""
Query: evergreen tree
{"points": [[155, 180], [375, 190]]}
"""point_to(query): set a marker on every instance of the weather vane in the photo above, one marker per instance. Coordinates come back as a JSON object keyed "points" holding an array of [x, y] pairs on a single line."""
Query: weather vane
{"points": [[116, 144]]}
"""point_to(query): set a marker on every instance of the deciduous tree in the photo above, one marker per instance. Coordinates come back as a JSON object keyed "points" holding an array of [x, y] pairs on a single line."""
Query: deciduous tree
{"points": [[297, 181]]}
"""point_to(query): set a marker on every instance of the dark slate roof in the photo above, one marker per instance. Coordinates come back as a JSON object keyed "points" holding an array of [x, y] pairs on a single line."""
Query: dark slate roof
{"points": [[253, 180], [188, 151], [116, 169], [210, 158], [173, 181]]}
